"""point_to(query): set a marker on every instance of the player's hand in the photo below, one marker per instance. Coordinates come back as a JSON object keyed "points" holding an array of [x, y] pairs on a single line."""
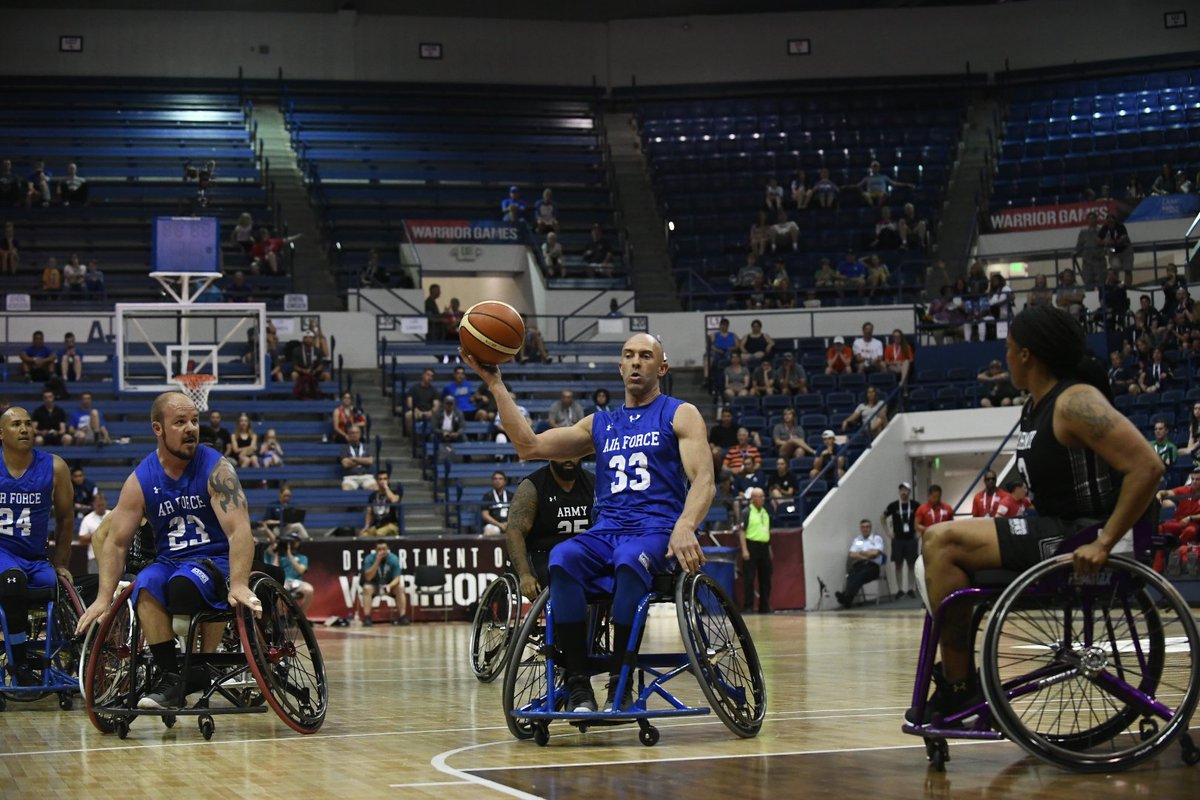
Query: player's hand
{"points": [[96, 613], [1090, 558], [529, 588], [685, 548], [63, 571], [490, 373], [242, 596], [745, 554]]}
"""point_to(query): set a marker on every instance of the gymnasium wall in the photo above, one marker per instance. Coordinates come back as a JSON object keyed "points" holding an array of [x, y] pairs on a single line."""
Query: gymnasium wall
{"points": [[345, 45]]}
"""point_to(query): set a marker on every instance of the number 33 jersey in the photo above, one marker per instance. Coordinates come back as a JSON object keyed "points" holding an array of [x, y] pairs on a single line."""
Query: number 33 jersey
{"points": [[640, 482], [180, 511]]}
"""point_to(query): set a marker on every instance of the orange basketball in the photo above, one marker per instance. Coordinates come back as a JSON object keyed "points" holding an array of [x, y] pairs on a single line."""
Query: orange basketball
{"points": [[492, 331]]}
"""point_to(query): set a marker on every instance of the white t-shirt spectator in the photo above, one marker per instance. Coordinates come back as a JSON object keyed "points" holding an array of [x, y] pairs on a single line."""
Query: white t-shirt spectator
{"points": [[87, 527], [863, 544], [868, 351]]}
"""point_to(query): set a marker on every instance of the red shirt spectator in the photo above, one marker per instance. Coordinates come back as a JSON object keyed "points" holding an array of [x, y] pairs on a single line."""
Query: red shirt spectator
{"points": [[1186, 523], [932, 511], [991, 502], [839, 357]]}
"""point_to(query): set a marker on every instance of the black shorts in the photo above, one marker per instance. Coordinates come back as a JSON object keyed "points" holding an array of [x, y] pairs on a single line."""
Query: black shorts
{"points": [[1026, 541], [540, 561], [905, 551]]}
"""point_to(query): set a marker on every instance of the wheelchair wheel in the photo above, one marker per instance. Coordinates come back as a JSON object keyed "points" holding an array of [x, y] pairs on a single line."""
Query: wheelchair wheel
{"points": [[525, 675], [115, 666], [64, 650], [722, 653], [1092, 674], [284, 657], [494, 627], [68, 652]]}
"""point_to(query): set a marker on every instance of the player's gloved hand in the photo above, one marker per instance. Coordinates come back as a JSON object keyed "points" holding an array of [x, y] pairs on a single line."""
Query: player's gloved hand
{"points": [[685, 548], [242, 596], [529, 587], [96, 613], [1090, 558]]}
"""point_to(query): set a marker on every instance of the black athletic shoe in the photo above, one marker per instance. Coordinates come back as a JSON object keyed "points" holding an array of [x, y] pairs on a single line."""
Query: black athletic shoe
{"points": [[581, 698], [947, 699], [626, 697], [402, 620], [22, 675], [169, 693], [368, 622], [910, 594]]}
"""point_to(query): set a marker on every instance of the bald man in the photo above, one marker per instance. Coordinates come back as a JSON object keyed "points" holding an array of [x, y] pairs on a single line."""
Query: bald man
{"points": [[754, 536]]}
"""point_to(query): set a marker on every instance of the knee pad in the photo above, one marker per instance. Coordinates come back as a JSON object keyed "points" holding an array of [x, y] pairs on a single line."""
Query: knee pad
{"points": [[13, 583], [183, 597]]}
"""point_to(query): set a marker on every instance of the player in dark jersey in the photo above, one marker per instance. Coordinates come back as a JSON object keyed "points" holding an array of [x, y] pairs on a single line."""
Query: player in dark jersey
{"points": [[550, 506], [32, 485], [192, 497], [1084, 463], [646, 513]]}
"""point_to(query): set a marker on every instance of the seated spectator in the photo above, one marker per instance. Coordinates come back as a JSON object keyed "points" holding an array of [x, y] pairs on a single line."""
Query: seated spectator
{"points": [[1185, 523], [68, 363], [977, 279], [745, 483], [838, 358], [37, 187], [346, 414], [50, 423], [721, 437], [914, 230], [448, 422], [866, 560], [545, 213], [1162, 445], [827, 456], [867, 350], [243, 445], [875, 186], [10, 253], [452, 318], [1155, 376], [757, 297], [801, 194], [1133, 191], [811, 300], [461, 391], [73, 188], [272, 523], [564, 412], [825, 190], [308, 367], [485, 403], [501, 436], [827, 277], [51, 278], [93, 279], [422, 401], [853, 271], [756, 346], [791, 378], [991, 501], [242, 234], [12, 188], [74, 275], [785, 232], [721, 343], [1040, 294], [533, 348], [1000, 390], [773, 195], [871, 413], [496, 502], [781, 282], [600, 401], [745, 450], [214, 434], [1122, 380], [748, 273], [374, 273], [1165, 182], [762, 380], [878, 274], [88, 527], [788, 436], [238, 289], [1019, 504], [380, 517], [264, 253], [737, 378], [270, 452], [887, 233], [284, 553], [946, 314], [357, 463], [760, 235], [599, 253], [1069, 295], [781, 484], [898, 356], [83, 492], [552, 255], [86, 425], [512, 208], [381, 577]]}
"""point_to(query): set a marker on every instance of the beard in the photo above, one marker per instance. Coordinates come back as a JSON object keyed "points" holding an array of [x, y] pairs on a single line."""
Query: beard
{"points": [[184, 451], [563, 472]]}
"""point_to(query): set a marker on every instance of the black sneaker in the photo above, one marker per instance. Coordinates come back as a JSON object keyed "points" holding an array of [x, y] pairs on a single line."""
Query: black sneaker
{"points": [[22, 675], [368, 622], [947, 699], [580, 694], [169, 693], [910, 594], [626, 696], [402, 620]]}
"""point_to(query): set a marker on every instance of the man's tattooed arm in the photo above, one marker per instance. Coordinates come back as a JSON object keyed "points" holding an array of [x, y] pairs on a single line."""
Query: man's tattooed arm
{"points": [[224, 486]]}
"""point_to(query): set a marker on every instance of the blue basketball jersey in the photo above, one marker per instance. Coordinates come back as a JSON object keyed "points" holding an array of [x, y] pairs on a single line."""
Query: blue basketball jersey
{"points": [[180, 510], [25, 505], [640, 482]]}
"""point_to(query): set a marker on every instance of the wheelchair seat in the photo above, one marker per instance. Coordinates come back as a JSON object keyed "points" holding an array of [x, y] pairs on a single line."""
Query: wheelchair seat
{"points": [[993, 578]]}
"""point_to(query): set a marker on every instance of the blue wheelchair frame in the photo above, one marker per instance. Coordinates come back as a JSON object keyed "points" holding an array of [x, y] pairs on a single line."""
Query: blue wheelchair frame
{"points": [[56, 677]]}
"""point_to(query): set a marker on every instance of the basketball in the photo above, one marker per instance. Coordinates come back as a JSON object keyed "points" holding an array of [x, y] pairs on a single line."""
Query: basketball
{"points": [[491, 331]]}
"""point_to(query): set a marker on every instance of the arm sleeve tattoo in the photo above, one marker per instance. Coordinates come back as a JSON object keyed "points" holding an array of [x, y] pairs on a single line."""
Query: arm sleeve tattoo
{"points": [[1084, 409], [224, 486], [523, 510]]}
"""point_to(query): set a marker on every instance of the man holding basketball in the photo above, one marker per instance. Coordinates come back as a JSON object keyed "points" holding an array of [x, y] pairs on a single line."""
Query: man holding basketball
{"points": [[648, 452]]}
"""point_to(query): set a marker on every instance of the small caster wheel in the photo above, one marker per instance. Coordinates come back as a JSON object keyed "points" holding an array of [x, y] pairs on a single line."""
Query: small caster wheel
{"points": [[648, 736], [206, 727], [3, 703], [541, 735], [122, 727], [938, 753], [1147, 729], [169, 720], [65, 702]]}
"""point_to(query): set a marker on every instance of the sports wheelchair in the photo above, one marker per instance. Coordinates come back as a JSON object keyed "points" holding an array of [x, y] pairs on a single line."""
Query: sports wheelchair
{"points": [[718, 651], [273, 661], [52, 651], [1093, 673], [494, 627]]}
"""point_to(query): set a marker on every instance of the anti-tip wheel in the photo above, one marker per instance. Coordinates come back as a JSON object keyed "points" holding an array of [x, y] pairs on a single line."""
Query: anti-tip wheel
{"points": [[938, 753], [206, 727], [122, 727], [65, 702], [169, 720], [648, 736], [541, 734], [1191, 753]]}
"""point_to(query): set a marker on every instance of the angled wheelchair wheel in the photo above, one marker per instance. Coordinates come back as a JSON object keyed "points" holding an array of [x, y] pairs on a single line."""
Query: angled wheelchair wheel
{"points": [[55, 636], [525, 675], [722, 653], [495, 627], [66, 651], [115, 666], [284, 657], [1095, 673]]}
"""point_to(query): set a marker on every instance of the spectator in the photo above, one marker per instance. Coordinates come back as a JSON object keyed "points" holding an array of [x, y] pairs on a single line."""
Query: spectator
{"points": [[825, 190], [1090, 249], [12, 188], [946, 313], [215, 436], [827, 277], [773, 199], [73, 188], [381, 577], [887, 233], [238, 289], [451, 318], [866, 559], [74, 275], [1155, 376], [1165, 182], [754, 536], [737, 378], [512, 208], [1185, 524], [448, 423], [1040, 294], [1133, 191], [264, 253], [433, 313], [784, 232], [999, 302], [743, 483], [781, 282], [871, 413], [93, 280], [50, 423], [374, 273], [1163, 446], [1000, 390], [762, 380], [898, 357], [599, 254], [781, 484], [757, 346], [69, 361], [991, 501], [878, 274], [10, 252], [826, 456], [791, 378], [875, 186], [747, 274], [743, 453], [534, 347], [760, 235], [853, 271], [914, 230], [87, 424], [242, 234], [346, 414], [485, 403], [721, 437], [788, 436], [496, 502], [319, 340], [1019, 494], [1122, 380], [899, 523], [83, 492], [51, 278], [1114, 236], [501, 436], [422, 401], [838, 358], [37, 187], [600, 401], [933, 510], [721, 343], [270, 452], [380, 518], [545, 213], [273, 521], [614, 309], [867, 350], [461, 391], [308, 366], [564, 412], [1114, 302], [801, 194], [356, 463], [552, 255], [1069, 295], [284, 553], [87, 529], [243, 445]]}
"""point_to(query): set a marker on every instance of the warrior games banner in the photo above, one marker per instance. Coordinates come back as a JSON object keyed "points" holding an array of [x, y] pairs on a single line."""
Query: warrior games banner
{"points": [[1040, 218], [461, 231], [456, 246]]}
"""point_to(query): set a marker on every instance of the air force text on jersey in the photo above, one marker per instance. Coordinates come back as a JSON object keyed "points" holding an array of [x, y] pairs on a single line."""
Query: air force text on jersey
{"points": [[185, 502], [631, 442], [20, 498]]}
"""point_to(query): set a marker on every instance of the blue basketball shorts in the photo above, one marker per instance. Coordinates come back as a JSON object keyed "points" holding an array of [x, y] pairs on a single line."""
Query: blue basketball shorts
{"points": [[39, 573], [593, 557], [157, 574]]}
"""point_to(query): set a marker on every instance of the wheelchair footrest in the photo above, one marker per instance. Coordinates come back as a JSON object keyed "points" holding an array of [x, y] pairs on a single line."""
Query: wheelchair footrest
{"points": [[951, 732], [615, 717], [179, 712]]}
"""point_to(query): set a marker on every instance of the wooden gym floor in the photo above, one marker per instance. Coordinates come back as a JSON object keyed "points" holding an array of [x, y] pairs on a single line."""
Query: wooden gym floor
{"points": [[407, 719]]}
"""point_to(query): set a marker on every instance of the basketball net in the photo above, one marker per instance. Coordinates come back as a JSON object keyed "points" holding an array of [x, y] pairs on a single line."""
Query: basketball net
{"points": [[196, 387]]}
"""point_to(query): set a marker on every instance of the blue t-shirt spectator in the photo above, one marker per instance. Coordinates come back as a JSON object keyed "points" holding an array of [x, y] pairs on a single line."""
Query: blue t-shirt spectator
{"points": [[39, 352], [461, 392], [852, 269], [289, 571], [388, 571], [512, 208]]}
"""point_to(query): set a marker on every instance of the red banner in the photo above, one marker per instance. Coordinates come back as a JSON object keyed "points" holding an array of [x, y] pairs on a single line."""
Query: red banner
{"points": [[1040, 218], [787, 568]]}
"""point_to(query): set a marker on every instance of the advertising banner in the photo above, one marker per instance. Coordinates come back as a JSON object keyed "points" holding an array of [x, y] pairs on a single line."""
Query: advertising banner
{"points": [[1040, 218]]}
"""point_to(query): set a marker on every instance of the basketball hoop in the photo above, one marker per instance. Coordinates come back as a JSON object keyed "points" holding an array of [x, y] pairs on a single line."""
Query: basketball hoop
{"points": [[196, 386]]}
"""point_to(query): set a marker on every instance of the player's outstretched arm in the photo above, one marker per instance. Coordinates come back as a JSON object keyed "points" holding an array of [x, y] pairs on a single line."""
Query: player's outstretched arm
{"points": [[521, 515], [111, 543], [229, 505], [64, 517], [697, 463]]}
